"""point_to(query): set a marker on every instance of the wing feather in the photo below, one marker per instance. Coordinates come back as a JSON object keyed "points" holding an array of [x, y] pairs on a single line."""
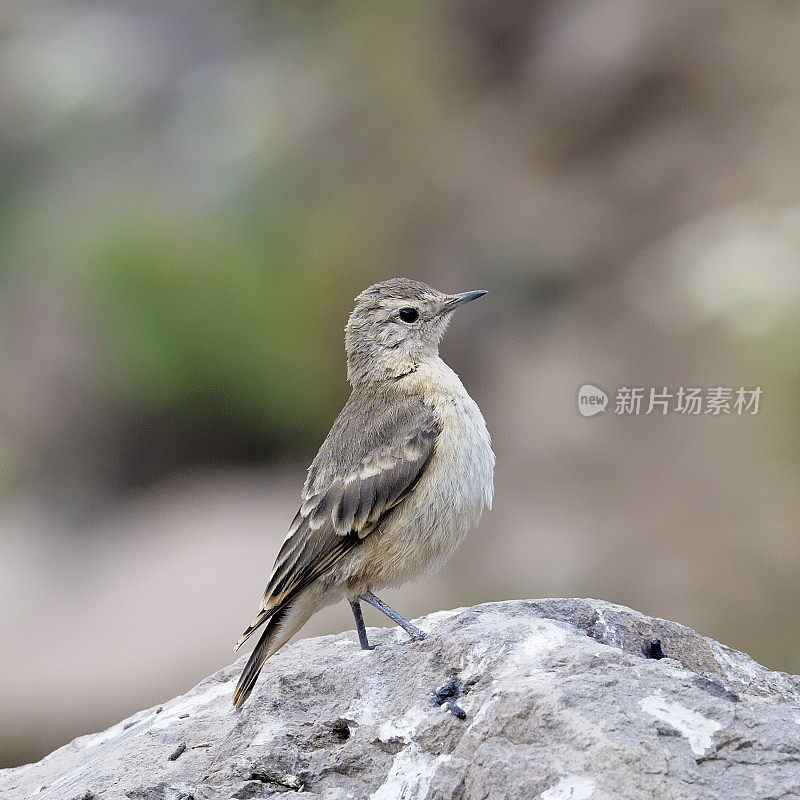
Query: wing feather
{"points": [[333, 520]]}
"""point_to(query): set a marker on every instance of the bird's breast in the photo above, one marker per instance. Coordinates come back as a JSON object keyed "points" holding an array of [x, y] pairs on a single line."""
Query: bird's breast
{"points": [[454, 489], [462, 467]]}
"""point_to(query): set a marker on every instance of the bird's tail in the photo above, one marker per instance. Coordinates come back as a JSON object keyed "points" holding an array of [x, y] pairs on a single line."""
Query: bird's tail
{"points": [[281, 626]]}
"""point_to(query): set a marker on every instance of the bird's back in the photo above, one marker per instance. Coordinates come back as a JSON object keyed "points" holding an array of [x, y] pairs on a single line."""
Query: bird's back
{"points": [[372, 418]]}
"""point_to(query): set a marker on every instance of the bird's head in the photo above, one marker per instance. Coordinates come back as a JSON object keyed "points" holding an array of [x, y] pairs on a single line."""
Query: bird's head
{"points": [[395, 326]]}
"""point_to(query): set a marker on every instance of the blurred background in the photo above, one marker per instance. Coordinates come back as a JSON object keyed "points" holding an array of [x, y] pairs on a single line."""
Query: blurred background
{"points": [[191, 194]]}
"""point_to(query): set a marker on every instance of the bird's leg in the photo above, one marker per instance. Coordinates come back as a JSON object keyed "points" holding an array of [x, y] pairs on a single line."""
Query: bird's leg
{"points": [[361, 630], [411, 630]]}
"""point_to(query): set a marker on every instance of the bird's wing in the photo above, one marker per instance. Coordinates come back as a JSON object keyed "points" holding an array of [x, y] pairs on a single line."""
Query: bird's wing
{"points": [[333, 520]]}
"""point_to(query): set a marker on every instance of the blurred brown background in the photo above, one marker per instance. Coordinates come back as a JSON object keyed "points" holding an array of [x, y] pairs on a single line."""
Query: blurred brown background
{"points": [[192, 193]]}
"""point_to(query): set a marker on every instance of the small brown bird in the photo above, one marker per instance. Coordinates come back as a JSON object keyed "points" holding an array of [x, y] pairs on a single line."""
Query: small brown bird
{"points": [[404, 473]]}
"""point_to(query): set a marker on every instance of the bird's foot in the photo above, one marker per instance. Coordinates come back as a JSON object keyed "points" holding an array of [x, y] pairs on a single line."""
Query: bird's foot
{"points": [[368, 597]]}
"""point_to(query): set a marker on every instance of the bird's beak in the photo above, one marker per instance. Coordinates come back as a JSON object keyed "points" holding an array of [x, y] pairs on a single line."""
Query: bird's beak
{"points": [[464, 297]]}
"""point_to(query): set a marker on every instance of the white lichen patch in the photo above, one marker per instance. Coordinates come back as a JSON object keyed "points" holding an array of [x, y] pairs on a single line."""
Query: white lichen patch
{"points": [[108, 735], [436, 618], [483, 710], [699, 730], [189, 704], [609, 634], [410, 775], [267, 731], [539, 640], [531, 641], [735, 664], [335, 793], [521, 668], [132, 723], [570, 787], [369, 706], [403, 727]]}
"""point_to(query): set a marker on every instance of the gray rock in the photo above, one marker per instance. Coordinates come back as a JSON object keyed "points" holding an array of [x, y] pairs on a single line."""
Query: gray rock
{"points": [[549, 699]]}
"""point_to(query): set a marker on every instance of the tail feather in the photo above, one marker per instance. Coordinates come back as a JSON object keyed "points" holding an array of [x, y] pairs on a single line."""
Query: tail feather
{"points": [[261, 652], [261, 617], [283, 623]]}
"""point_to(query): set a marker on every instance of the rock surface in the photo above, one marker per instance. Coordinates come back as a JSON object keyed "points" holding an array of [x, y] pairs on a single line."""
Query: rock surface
{"points": [[550, 699]]}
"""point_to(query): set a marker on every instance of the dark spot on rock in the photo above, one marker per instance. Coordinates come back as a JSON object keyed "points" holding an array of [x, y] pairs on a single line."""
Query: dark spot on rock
{"points": [[183, 716], [177, 752], [324, 734], [733, 743], [449, 691], [340, 729], [652, 648], [455, 710], [159, 709], [715, 688], [448, 694]]}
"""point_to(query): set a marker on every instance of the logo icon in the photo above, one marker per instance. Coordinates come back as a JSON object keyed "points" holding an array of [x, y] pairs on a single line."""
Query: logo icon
{"points": [[591, 400]]}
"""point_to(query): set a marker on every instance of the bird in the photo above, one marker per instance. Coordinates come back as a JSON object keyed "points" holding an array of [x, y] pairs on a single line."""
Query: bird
{"points": [[406, 470]]}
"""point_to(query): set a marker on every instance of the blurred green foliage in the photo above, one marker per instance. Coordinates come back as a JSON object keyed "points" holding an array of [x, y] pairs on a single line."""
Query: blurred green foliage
{"points": [[197, 317]]}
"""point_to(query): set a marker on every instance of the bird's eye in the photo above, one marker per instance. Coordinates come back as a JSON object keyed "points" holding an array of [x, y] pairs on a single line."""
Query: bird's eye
{"points": [[408, 314]]}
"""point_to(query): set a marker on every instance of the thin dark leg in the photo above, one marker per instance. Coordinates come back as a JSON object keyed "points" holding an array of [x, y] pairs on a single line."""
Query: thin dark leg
{"points": [[362, 631], [375, 601]]}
